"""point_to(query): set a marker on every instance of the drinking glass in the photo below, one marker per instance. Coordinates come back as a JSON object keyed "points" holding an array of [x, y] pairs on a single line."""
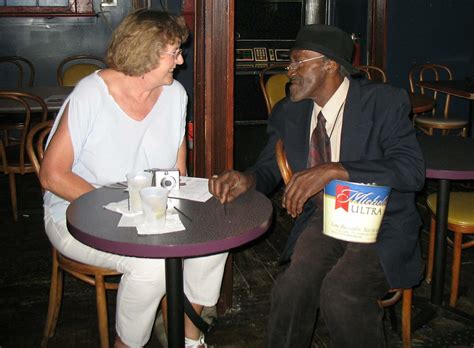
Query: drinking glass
{"points": [[154, 201], [137, 181]]}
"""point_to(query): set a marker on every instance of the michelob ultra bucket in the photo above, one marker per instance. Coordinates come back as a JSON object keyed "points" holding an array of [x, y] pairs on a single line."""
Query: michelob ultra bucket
{"points": [[353, 212]]}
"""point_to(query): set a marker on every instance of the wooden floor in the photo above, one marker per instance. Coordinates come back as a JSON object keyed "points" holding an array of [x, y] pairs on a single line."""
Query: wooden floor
{"points": [[25, 278]]}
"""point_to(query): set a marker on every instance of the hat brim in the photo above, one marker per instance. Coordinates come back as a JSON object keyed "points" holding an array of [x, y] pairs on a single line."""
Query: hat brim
{"points": [[311, 46]]}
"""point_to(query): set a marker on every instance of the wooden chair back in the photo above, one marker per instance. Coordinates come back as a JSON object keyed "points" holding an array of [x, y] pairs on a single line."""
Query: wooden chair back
{"points": [[282, 162], [14, 159], [14, 154], [35, 143], [430, 72], [273, 80], [373, 73], [72, 69], [444, 122], [24, 69]]}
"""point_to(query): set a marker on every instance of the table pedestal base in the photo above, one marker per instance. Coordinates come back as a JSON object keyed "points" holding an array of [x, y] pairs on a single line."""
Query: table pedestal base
{"points": [[442, 206], [175, 295]]}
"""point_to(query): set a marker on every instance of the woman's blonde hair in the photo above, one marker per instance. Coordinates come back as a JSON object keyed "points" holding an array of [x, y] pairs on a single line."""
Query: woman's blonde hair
{"points": [[136, 43]]}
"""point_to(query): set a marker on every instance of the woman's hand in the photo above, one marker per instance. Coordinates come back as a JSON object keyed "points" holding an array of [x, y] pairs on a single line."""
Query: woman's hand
{"points": [[307, 183], [230, 184]]}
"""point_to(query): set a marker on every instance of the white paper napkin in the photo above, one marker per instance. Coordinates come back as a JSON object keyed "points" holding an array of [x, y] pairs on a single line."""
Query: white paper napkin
{"points": [[132, 219], [193, 189]]}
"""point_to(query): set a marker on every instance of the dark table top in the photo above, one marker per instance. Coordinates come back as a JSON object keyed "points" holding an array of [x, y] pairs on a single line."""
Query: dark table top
{"points": [[210, 231], [448, 157], [459, 88], [420, 103], [44, 92]]}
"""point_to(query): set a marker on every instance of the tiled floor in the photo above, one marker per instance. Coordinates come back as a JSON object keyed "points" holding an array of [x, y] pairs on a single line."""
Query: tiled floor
{"points": [[25, 276]]}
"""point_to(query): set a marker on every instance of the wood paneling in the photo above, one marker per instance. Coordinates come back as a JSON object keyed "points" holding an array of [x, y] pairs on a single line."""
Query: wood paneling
{"points": [[213, 86], [378, 33]]}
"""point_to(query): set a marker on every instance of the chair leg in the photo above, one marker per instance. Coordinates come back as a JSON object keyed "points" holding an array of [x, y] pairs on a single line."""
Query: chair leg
{"points": [[431, 245], [55, 295], [59, 297], [406, 317], [11, 177], [393, 318], [456, 267], [102, 318]]}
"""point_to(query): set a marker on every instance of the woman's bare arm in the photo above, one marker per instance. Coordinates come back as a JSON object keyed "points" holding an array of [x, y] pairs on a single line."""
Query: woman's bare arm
{"points": [[181, 163], [56, 173]]}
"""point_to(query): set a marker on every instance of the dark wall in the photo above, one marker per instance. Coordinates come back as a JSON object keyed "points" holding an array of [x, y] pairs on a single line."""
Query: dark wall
{"points": [[46, 41], [351, 16], [435, 31], [418, 31]]}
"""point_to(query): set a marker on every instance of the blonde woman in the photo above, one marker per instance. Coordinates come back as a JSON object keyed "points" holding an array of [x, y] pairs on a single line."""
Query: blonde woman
{"points": [[130, 116]]}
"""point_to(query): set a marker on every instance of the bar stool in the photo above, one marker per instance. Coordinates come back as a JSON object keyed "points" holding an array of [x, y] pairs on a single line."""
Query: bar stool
{"points": [[460, 221]]}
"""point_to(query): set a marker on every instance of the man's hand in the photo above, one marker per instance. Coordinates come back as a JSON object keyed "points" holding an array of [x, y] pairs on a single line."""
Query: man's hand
{"points": [[307, 183], [230, 184]]}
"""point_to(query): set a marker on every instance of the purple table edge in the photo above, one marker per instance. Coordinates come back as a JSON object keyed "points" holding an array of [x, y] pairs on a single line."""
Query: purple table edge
{"points": [[261, 210], [445, 166]]}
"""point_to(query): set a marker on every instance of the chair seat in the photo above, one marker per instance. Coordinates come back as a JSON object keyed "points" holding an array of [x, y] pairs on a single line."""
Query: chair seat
{"points": [[441, 121], [460, 207]]}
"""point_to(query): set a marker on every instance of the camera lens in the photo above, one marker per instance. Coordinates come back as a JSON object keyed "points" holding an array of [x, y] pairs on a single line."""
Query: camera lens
{"points": [[168, 182]]}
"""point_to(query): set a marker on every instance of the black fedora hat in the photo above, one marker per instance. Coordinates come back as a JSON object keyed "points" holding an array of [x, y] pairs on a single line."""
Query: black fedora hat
{"points": [[330, 41]]}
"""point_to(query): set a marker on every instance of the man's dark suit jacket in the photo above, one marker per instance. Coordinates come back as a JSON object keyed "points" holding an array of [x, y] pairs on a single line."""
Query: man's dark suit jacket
{"points": [[378, 145]]}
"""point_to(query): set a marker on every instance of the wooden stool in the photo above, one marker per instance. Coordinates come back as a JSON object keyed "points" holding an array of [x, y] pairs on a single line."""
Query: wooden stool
{"points": [[460, 221]]}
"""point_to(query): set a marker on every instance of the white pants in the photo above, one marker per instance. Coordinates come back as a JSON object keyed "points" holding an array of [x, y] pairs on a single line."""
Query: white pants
{"points": [[143, 281]]}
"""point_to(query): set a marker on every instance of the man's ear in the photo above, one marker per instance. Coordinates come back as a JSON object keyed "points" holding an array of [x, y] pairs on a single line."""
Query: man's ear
{"points": [[331, 66]]}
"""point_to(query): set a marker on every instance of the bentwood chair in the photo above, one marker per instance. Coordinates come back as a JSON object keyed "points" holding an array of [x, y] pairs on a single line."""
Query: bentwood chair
{"points": [[373, 73], [444, 122], [89, 274], [14, 159], [393, 295], [273, 81], [23, 70], [460, 222], [74, 68]]}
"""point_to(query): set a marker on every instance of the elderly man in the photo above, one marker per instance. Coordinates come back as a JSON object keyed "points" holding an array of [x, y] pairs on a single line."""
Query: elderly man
{"points": [[334, 126]]}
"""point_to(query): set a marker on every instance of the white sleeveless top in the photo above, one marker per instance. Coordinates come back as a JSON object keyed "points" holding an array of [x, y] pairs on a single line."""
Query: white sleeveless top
{"points": [[108, 143]]}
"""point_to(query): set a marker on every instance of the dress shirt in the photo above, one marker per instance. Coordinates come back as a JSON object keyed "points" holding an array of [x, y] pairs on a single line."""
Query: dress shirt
{"points": [[333, 112]]}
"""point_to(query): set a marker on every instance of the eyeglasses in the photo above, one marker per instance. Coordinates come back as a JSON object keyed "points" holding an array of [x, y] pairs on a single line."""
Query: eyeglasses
{"points": [[296, 65], [175, 54]]}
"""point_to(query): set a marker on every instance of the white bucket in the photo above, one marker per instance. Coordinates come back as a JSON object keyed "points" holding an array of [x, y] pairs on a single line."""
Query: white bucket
{"points": [[353, 212]]}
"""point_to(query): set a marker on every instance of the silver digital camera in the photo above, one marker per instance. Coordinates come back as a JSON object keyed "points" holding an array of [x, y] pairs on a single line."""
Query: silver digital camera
{"points": [[167, 178]]}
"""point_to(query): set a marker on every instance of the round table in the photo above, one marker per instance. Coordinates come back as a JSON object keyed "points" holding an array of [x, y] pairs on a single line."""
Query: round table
{"points": [[212, 228], [420, 103], [447, 158]]}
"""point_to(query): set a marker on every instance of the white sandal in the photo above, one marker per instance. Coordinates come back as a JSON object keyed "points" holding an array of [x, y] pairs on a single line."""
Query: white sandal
{"points": [[199, 343]]}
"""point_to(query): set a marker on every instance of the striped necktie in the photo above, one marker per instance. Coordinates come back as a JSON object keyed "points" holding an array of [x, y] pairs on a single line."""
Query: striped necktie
{"points": [[320, 146]]}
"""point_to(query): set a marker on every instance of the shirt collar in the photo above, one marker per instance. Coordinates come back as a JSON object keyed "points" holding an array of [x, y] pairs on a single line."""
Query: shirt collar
{"points": [[334, 104]]}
